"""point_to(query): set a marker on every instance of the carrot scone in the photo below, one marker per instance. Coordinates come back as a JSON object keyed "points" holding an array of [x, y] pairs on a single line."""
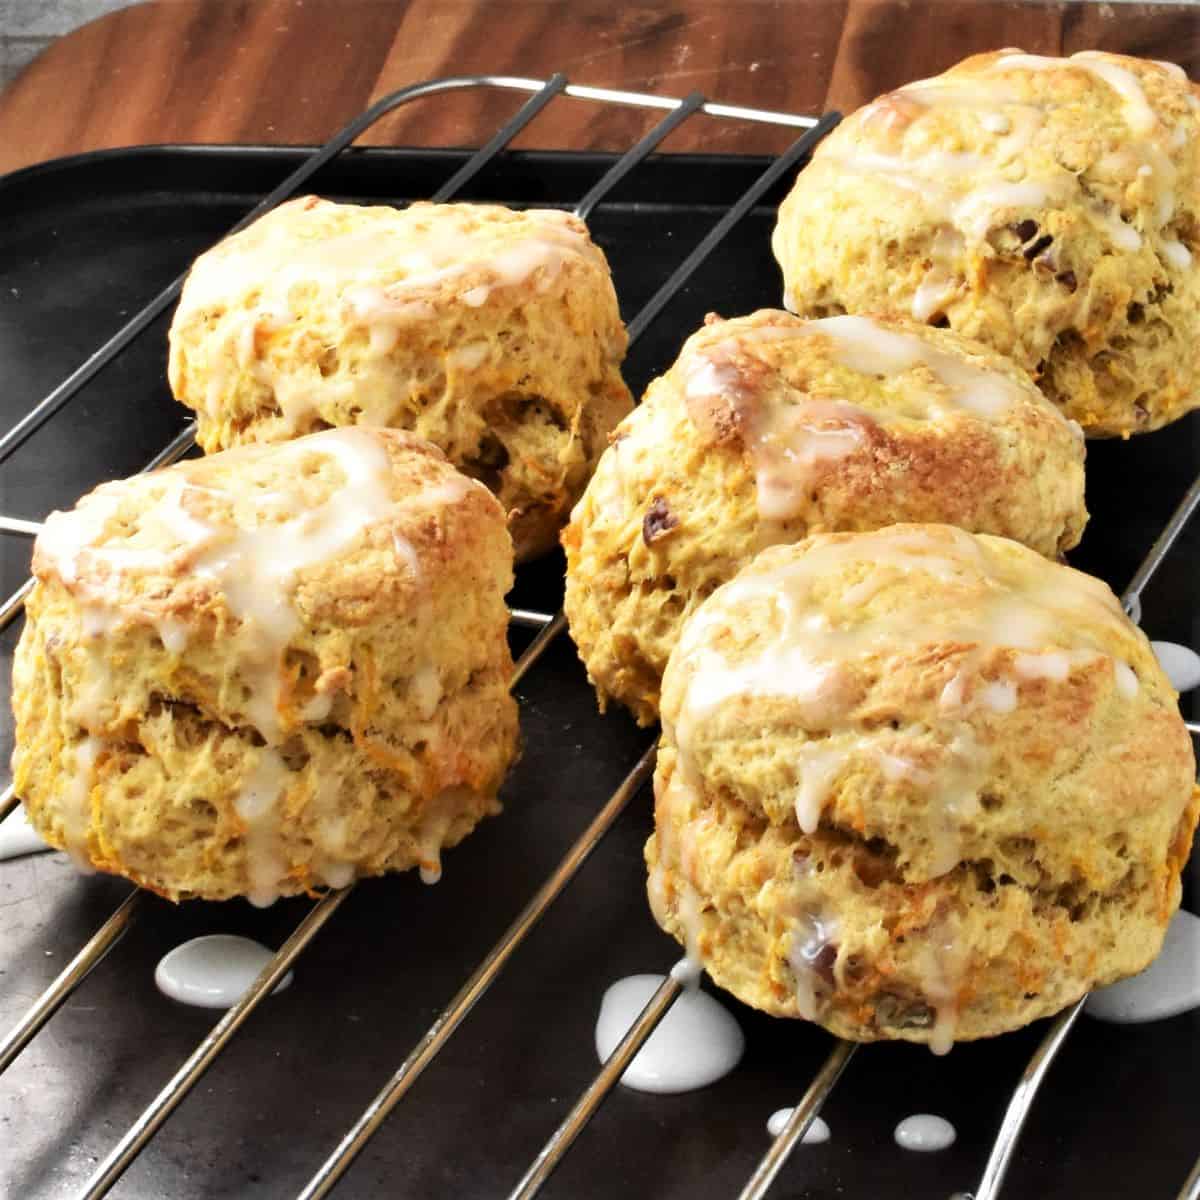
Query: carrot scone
{"points": [[1047, 206], [493, 333], [270, 670], [917, 784], [768, 428]]}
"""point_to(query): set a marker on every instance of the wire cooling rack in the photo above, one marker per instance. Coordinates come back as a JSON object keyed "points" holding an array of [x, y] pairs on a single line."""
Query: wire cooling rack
{"points": [[548, 627]]}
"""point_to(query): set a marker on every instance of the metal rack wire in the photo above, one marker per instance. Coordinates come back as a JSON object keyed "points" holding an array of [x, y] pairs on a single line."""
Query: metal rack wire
{"points": [[541, 93]]}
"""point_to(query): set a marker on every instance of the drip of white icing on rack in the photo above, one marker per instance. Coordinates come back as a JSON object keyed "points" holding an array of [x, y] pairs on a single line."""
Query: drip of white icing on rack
{"points": [[213, 971], [925, 1132], [1181, 663], [18, 837], [695, 1044], [815, 1135], [1168, 986]]}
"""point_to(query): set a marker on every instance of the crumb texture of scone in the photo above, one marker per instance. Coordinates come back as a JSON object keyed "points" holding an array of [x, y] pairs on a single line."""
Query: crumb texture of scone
{"points": [[268, 671], [493, 333], [768, 428], [1047, 206], [917, 784]]}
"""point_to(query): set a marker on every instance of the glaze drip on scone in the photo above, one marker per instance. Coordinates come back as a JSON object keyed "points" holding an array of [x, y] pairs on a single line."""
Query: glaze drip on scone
{"points": [[271, 670], [916, 783], [1047, 206]]}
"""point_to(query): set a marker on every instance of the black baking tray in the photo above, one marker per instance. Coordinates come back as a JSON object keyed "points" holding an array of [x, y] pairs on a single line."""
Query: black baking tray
{"points": [[83, 243]]}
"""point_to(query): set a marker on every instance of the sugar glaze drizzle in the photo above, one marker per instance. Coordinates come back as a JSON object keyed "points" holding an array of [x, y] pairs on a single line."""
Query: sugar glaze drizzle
{"points": [[695, 1044], [213, 971], [1170, 985], [926, 1133], [971, 193], [1181, 663], [815, 1135]]}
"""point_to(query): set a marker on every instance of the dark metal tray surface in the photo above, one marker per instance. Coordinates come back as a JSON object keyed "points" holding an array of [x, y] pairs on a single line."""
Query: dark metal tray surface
{"points": [[83, 243]]}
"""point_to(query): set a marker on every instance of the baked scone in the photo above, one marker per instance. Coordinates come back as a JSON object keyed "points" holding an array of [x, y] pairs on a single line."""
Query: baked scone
{"points": [[918, 784], [1047, 206], [270, 670], [768, 428], [493, 333]]}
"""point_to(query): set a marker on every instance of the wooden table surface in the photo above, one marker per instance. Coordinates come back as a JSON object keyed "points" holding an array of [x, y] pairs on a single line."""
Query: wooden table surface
{"points": [[293, 71]]}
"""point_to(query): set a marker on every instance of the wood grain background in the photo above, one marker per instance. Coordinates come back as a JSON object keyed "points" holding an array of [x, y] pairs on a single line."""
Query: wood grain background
{"points": [[292, 71]]}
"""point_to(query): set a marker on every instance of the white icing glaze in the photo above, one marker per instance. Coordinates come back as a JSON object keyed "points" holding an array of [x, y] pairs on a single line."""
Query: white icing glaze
{"points": [[471, 356], [695, 1044], [810, 958], [1181, 663], [77, 807], [1000, 696], [925, 1132], [401, 254], [1052, 665], [1126, 679], [1168, 986], [257, 804], [1139, 116], [867, 347], [815, 1135], [385, 271], [1177, 254], [18, 837], [213, 971]]}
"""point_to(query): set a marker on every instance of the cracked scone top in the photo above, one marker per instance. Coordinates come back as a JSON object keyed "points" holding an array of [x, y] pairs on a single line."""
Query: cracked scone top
{"points": [[1047, 206], [491, 332], [768, 428], [917, 784], [268, 670]]}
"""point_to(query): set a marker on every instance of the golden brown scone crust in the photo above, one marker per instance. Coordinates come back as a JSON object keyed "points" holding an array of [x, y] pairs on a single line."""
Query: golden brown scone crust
{"points": [[269, 670], [917, 784], [1045, 206], [883, 420], [493, 333]]}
